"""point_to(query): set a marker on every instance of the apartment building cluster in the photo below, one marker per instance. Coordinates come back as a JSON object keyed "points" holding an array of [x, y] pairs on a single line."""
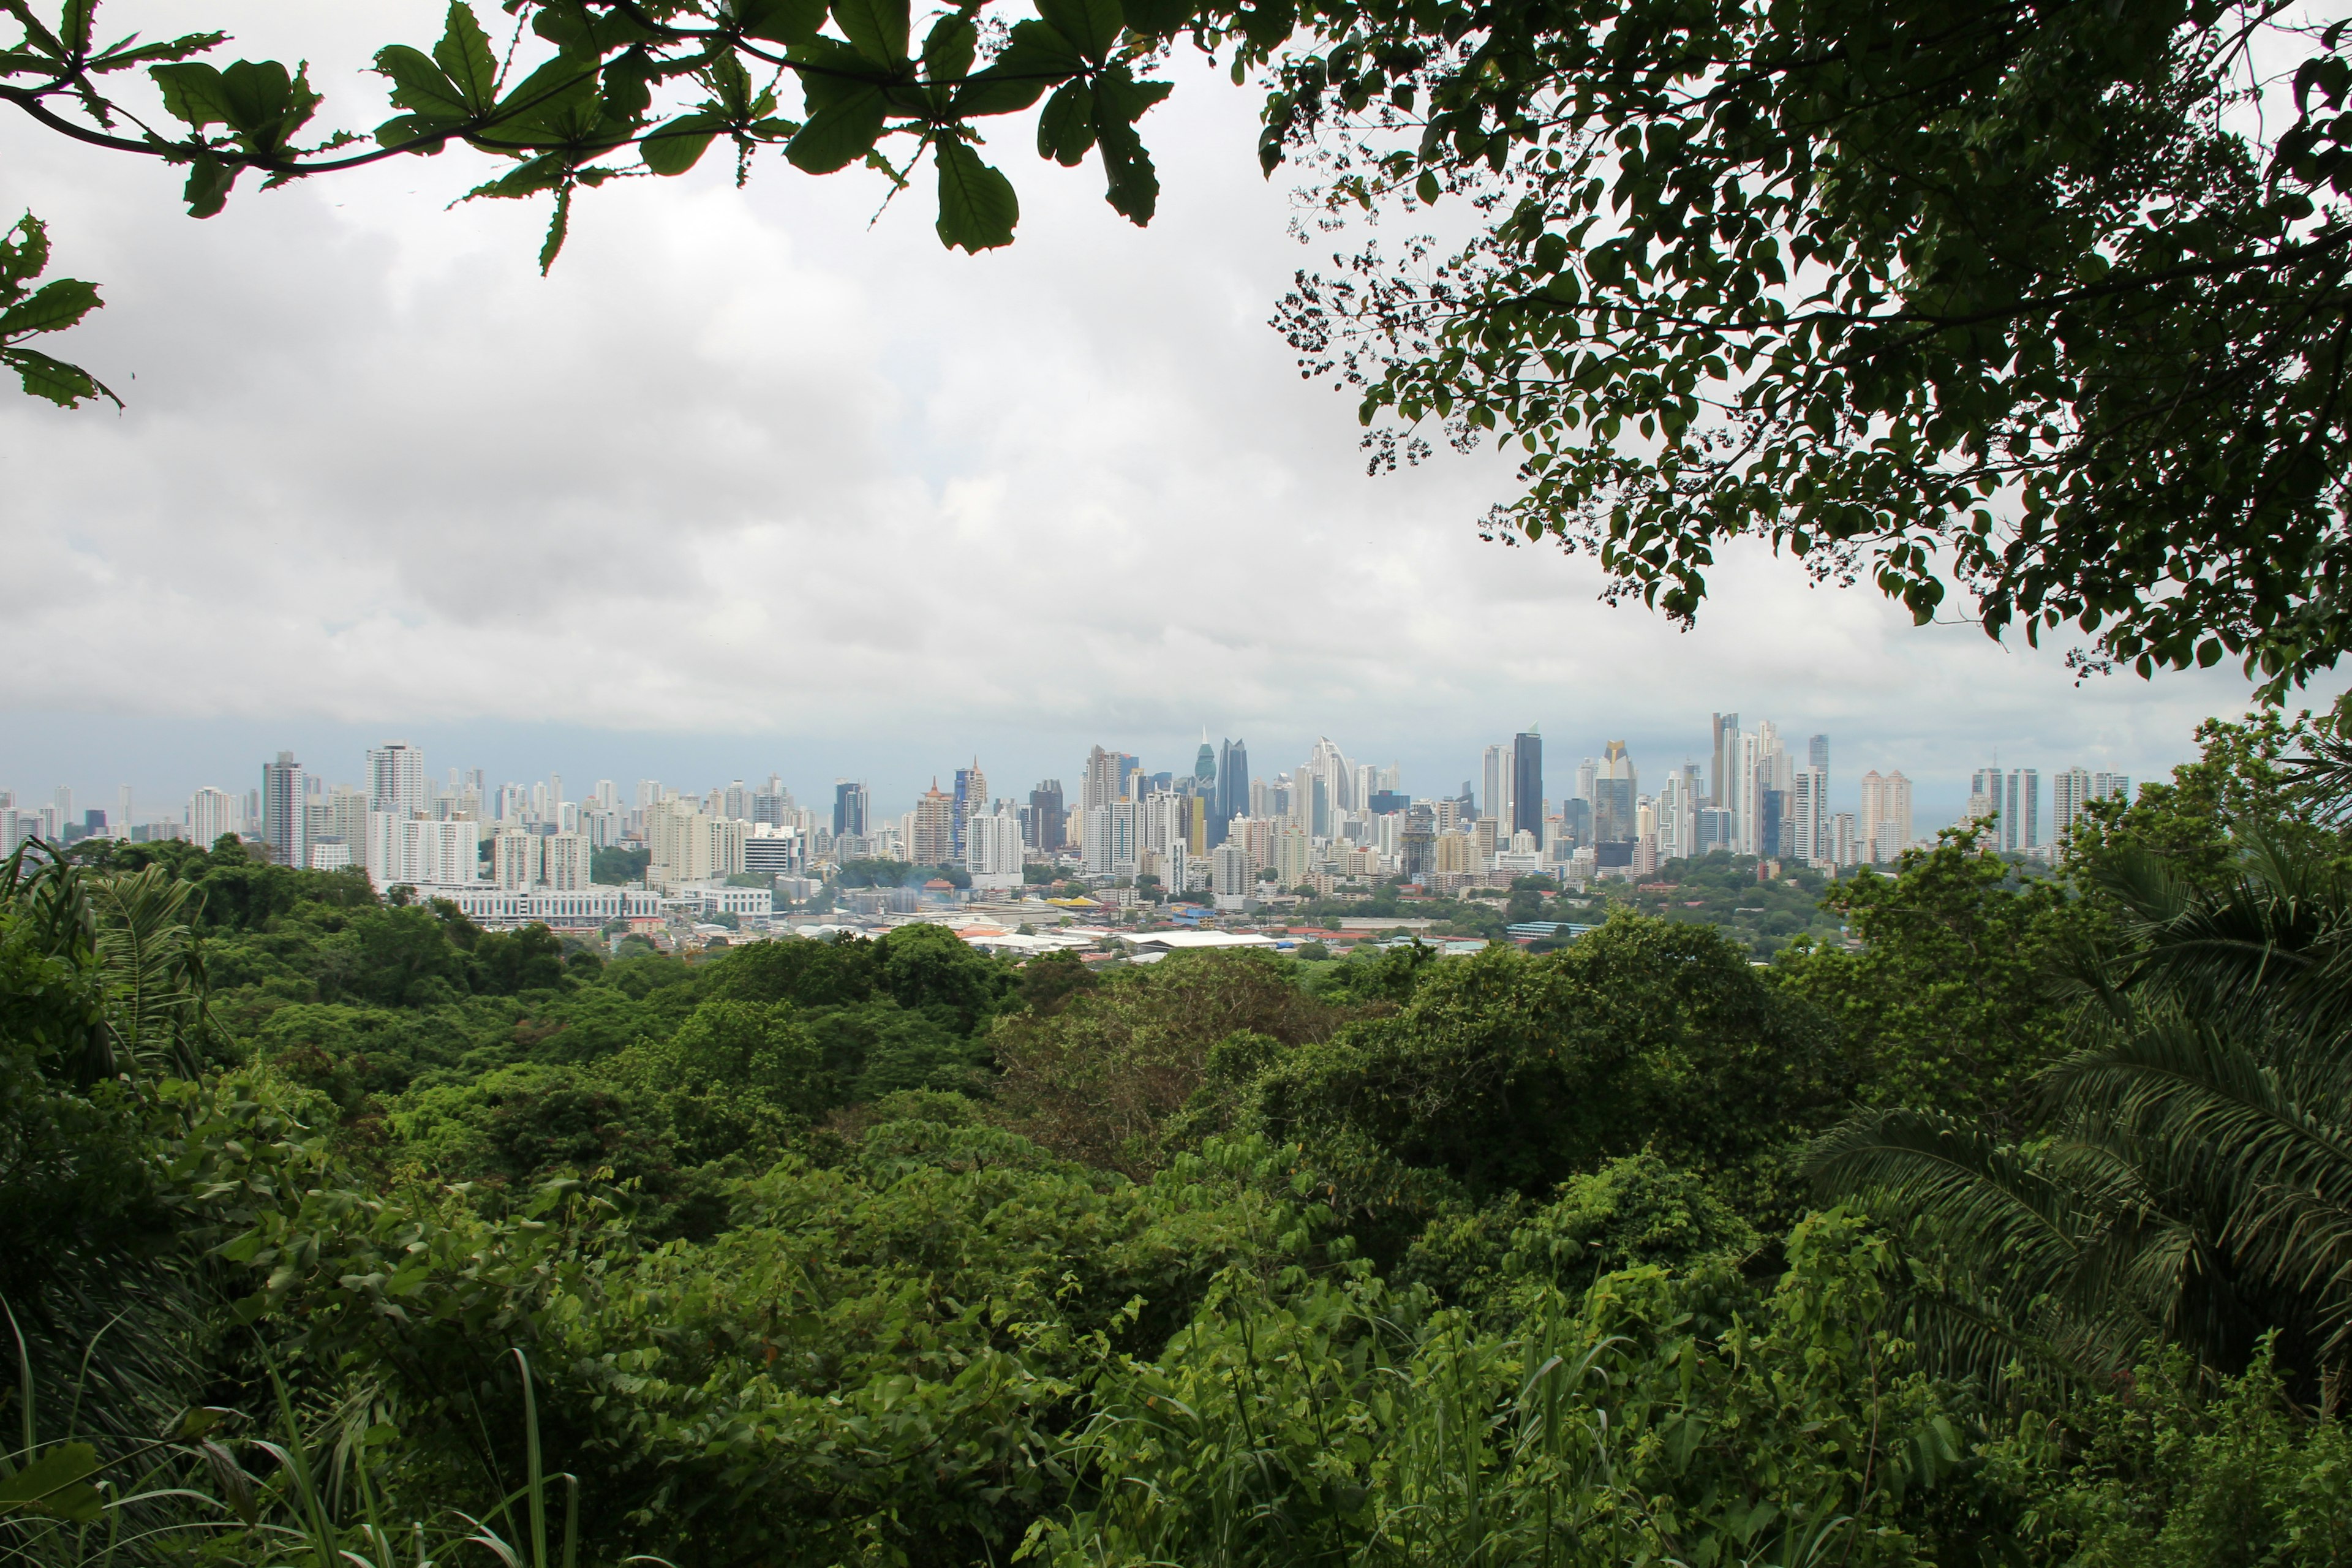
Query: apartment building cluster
{"points": [[1213, 827], [2012, 802]]}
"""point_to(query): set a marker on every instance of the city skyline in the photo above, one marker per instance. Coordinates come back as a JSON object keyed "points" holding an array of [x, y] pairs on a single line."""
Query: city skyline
{"points": [[401, 769]]}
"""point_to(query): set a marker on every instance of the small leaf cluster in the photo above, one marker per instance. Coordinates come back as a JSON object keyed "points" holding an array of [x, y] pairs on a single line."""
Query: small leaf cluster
{"points": [[581, 92], [27, 311]]}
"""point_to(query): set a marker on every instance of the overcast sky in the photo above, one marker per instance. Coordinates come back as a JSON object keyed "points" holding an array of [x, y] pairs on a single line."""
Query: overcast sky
{"points": [[754, 484]]}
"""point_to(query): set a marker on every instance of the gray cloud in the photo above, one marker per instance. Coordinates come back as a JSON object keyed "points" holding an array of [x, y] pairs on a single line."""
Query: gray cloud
{"points": [[750, 474]]}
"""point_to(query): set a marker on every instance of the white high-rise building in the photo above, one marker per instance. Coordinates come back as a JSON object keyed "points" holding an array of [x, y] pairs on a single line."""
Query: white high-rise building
{"points": [[1984, 801], [2076, 787], [1329, 764], [1103, 784], [1231, 875], [212, 813], [341, 813], [1110, 846], [564, 860], [515, 858], [1093, 841], [1294, 857], [1886, 825], [1810, 816], [396, 780], [422, 852], [688, 845], [2020, 814], [992, 847], [1494, 781], [1302, 797], [1677, 810], [1166, 823], [774, 850], [1747, 777]]}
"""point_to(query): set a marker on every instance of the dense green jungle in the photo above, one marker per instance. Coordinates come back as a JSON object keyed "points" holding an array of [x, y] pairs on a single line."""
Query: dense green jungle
{"points": [[340, 1231]]}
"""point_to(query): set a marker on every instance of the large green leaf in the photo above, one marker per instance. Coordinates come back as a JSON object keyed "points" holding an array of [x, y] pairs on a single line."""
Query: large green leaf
{"points": [[1037, 57], [418, 85], [677, 146], [209, 179], [266, 105], [1157, 18], [1132, 185], [840, 133], [23, 254], [586, 34], [977, 206], [464, 56], [56, 1484], [128, 54], [64, 384], [544, 106], [192, 93], [780, 21], [875, 28], [56, 306], [1092, 25], [1067, 129], [948, 49]]}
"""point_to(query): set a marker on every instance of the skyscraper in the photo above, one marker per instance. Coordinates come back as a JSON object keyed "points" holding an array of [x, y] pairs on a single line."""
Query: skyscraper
{"points": [[971, 800], [2073, 789], [1885, 816], [396, 780], [992, 848], [1331, 765], [1725, 749], [1232, 797], [2021, 818], [1204, 766], [1527, 783], [1817, 751], [934, 842], [1810, 816], [211, 813], [1678, 805], [284, 812], [1102, 784], [1047, 817], [850, 803], [1495, 785], [1615, 788]]}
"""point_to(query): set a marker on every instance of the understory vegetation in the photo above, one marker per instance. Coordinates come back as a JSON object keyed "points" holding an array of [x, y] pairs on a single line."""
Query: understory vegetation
{"points": [[340, 1231]]}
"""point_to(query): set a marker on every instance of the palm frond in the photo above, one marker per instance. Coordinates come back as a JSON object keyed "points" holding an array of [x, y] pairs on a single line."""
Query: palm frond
{"points": [[156, 997]]}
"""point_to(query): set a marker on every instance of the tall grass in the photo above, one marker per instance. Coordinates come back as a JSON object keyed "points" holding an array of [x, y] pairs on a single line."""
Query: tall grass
{"points": [[70, 1501]]}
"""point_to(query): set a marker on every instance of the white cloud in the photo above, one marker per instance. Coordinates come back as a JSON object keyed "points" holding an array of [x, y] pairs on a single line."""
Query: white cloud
{"points": [[750, 475]]}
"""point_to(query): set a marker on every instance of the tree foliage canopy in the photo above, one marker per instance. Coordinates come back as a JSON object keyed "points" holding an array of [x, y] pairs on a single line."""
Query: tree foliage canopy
{"points": [[805, 1253]]}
